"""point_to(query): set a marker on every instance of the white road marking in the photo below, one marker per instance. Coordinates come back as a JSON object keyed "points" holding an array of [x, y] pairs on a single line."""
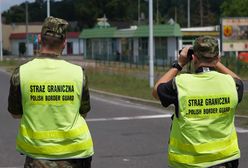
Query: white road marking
{"points": [[128, 104], [241, 116], [241, 130], [238, 129], [129, 118]]}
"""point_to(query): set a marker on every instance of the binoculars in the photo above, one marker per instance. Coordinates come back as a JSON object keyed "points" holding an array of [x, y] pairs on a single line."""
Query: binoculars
{"points": [[189, 54]]}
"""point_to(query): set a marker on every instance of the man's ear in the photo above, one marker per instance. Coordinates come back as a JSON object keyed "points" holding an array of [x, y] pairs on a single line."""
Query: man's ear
{"points": [[39, 38], [194, 58], [64, 44], [217, 59]]}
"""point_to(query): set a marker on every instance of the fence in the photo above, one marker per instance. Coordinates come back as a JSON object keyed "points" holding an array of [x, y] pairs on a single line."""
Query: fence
{"points": [[162, 63], [237, 66], [140, 62]]}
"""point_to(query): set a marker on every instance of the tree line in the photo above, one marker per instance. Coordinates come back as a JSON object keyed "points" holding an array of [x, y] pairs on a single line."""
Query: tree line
{"points": [[84, 13]]}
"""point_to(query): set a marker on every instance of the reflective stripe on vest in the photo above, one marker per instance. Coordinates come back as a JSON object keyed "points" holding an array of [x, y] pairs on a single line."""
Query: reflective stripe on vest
{"points": [[204, 134], [51, 126], [199, 148], [56, 149], [54, 134], [190, 159]]}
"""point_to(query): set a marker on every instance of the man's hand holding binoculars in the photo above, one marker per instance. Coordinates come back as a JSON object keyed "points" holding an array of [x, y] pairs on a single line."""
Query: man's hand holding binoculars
{"points": [[185, 56]]}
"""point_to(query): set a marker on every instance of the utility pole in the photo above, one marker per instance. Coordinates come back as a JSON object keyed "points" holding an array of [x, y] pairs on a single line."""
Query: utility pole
{"points": [[1, 36], [151, 62], [175, 15], [26, 11], [48, 8], [188, 13], [201, 12], [157, 14], [138, 12]]}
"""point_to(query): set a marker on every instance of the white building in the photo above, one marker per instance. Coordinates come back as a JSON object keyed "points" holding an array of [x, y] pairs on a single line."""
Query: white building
{"points": [[74, 45]]}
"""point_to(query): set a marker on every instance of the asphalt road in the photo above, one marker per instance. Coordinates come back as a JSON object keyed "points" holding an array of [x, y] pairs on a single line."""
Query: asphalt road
{"points": [[125, 134]]}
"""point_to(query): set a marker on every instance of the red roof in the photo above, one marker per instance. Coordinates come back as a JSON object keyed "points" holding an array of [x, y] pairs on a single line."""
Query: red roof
{"points": [[21, 36], [73, 34], [18, 36]]}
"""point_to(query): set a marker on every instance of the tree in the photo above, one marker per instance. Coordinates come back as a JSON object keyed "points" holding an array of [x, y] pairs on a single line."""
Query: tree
{"points": [[234, 8], [86, 12], [15, 14]]}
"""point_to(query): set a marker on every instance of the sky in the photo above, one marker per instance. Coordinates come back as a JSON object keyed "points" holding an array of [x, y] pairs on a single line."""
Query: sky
{"points": [[6, 4]]}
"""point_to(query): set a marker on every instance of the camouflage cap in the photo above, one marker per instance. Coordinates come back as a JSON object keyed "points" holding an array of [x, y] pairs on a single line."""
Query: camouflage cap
{"points": [[206, 47], [54, 27]]}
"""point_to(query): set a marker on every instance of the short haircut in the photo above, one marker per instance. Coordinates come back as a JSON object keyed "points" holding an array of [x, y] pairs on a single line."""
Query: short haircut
{"points": [[51, 42], [207, 60], [206, 47]]}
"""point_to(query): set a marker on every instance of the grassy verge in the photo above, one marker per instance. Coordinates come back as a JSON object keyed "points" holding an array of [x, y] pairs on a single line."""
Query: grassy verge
{"points": [[119, 83], [242, 107], [9, 65]]}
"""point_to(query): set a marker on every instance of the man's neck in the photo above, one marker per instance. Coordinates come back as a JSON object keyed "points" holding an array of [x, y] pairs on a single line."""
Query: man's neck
{"points": [[204, 67], [45, 51]]}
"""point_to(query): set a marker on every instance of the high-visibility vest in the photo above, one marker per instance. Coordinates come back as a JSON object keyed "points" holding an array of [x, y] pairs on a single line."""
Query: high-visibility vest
{"points": [[203, 134], [51, 126]]}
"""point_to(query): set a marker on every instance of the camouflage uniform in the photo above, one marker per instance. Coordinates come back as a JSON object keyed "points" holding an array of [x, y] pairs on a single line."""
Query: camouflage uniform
{"points": [[56, 28], [73, 163]]}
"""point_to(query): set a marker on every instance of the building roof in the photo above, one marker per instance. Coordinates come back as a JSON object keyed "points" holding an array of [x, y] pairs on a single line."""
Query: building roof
{"points": [[21, 36], [204, 29], [164, 30], [201, 31], [125, 33], [73, 35], [98, 33]]}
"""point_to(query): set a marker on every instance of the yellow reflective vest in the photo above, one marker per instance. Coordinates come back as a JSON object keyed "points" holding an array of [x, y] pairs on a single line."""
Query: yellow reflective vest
{"points": [[51, 126], [204, 134]]}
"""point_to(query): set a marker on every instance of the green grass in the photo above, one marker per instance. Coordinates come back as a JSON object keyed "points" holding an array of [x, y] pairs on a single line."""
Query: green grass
{"points": [[119, 83], [9, 65], [243, 106]]}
